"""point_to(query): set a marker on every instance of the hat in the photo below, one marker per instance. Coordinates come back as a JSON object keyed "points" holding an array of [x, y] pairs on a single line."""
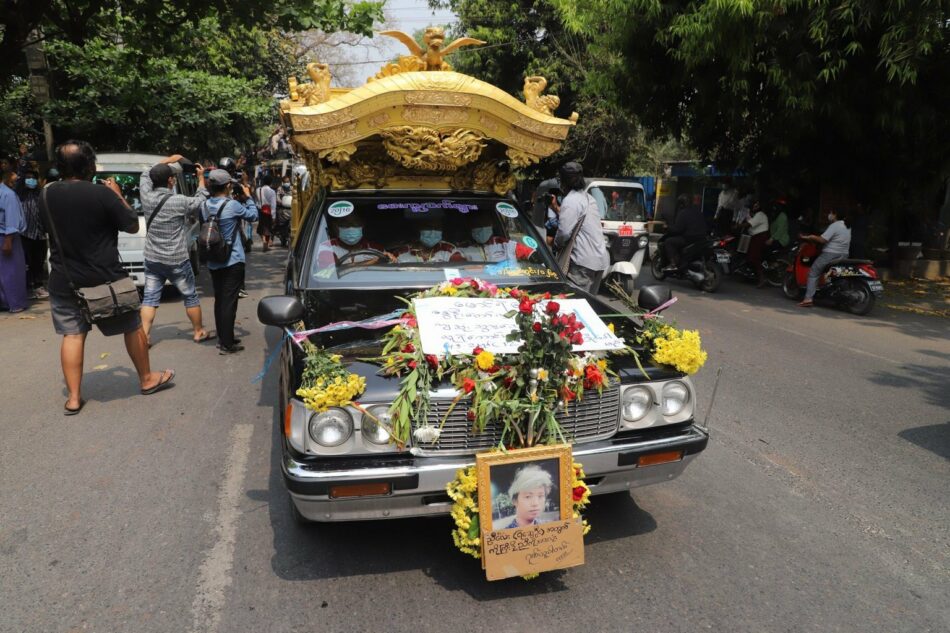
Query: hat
{"points": [[220, 177], [571, 169], [160, 174]]}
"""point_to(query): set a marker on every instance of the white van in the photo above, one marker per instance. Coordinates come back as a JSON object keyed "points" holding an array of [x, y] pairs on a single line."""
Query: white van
{"points": [[126, 170]]}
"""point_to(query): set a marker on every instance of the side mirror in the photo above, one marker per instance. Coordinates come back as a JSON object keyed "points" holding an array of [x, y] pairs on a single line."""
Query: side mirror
{"points": [[650, 297], [279, 310]]}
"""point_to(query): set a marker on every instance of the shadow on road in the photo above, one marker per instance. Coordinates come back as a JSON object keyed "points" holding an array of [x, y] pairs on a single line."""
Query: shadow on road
{"points": [[934, 438], [931, 380]]}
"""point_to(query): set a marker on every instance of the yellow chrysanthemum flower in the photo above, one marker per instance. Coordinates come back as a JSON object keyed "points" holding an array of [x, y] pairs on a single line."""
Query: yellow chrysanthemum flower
{"points": [[485, 360], [683, 350]]}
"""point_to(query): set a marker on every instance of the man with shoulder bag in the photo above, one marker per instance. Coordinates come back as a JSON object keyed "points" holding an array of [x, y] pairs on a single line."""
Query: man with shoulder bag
{"points": [[220, 239], [87, 284], [579, 236], [168, 216]]}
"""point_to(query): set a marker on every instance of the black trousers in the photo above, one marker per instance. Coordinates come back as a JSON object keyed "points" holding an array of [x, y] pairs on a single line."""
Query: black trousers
{"points": [[35, 253], [227, 283], [673, 246]]}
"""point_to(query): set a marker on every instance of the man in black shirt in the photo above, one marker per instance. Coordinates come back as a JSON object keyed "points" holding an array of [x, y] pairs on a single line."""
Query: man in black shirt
{"points": [[688, 227], [87, 218]]}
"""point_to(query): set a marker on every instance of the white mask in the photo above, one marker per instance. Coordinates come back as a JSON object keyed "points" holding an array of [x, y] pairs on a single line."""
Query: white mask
{"points": [[831, 217]]}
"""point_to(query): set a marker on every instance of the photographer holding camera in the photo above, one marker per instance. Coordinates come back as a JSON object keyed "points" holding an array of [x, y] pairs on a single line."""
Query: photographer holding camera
{"points": [[168, 216], [228, 276]]}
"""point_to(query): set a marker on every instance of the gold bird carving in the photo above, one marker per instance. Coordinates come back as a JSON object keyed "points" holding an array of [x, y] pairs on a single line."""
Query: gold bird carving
{"points": [[436, 49]]}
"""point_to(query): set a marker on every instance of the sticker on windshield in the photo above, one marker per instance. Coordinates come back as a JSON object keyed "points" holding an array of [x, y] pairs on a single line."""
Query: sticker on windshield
{"points": [[506, 210], [529, 241], [340, 209]]}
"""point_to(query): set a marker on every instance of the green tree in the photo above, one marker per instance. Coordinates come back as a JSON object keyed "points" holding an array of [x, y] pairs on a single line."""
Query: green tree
{"points": [[856, 91]]}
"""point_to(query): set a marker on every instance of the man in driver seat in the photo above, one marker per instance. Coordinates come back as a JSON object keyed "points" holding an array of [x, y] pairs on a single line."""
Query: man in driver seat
{"points": [[488, 247], [347, 243], [429, 246]]}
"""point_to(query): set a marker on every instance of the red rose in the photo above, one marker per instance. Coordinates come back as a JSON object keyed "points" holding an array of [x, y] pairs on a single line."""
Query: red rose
{"points": [[547, 295], [470, 415], [458, 281], [577, 339], [477, 351], [433, 360], [409, 348], [412, 364], [563, 333], [411, 322], [494, 369], [508, 381], [514, 293], [468, 385], [553, 307], [536, 327], [526, 306], [555, 321], [567, 394], [578, 493]]}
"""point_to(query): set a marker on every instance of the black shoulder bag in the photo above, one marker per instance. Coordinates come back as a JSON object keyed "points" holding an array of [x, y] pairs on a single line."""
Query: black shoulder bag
{"points": [[97, 303]]}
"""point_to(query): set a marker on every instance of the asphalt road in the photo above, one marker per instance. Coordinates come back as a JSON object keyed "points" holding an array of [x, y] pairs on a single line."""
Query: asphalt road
{"points": [[821, 503]]}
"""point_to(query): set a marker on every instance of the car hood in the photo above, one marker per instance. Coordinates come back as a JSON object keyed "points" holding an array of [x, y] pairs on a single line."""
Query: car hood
{"points": [[323, 307]]}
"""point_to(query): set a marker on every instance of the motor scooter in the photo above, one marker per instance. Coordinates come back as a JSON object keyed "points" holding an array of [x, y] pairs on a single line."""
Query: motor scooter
{"points": [[851, 284], [702, 263], [775, 262], [626, 255]]}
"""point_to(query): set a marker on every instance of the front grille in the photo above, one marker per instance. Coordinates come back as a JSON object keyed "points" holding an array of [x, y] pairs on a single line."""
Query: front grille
{"points": [[593, 418]]}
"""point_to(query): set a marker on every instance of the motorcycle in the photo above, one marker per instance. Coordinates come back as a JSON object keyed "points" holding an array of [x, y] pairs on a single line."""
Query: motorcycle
{"points": [[626, 256], [851, 284], [281, 228], [775, 261], [704, 261]]}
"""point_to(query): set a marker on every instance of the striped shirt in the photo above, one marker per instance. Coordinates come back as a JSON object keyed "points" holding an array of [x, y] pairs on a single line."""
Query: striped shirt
{"points": [[167, 239]]}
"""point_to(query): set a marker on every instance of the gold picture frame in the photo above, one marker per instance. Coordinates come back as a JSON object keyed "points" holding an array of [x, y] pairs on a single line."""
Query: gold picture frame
{"points": [[506, 466]]}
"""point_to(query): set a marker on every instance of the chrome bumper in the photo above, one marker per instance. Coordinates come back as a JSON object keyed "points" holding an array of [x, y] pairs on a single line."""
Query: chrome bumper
{"points": [[418, 488]]}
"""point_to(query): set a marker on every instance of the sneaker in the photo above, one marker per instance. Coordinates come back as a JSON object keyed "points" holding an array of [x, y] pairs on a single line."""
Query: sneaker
{"points": [[40, 293], [242, 294], [230, 349]]}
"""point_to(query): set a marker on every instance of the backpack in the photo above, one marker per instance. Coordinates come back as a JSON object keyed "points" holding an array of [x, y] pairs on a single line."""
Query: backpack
{"points": [[210, 242]]}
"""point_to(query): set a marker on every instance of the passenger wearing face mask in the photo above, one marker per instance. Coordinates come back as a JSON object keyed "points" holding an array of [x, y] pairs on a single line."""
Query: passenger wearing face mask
{"points": [[429, 247], [488, 247], [348, 239], [34, 237]]}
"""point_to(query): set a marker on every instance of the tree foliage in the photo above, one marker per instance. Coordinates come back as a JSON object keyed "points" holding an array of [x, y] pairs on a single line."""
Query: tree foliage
{"points": [[851, 90]]}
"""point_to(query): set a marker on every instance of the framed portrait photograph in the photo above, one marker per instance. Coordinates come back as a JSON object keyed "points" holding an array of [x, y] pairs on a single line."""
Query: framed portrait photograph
{"points": [[524, 487]]}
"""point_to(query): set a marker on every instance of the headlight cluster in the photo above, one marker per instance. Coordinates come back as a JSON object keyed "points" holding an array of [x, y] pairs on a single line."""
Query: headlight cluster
{"points": [[332, 427], [335, 428], [656, 404], [374, 431]]}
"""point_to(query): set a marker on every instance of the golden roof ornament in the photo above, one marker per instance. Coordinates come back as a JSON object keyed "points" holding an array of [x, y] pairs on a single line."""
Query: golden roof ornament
{"points": [[419, 125]]}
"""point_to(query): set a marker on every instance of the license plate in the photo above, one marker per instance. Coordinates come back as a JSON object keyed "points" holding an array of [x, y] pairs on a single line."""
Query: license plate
{"points": [[625, 230], [876, 286], [722, 258]]}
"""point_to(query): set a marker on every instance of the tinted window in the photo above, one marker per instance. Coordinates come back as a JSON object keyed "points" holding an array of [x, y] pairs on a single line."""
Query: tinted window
{"points": [[403, 241], [621, 204]]}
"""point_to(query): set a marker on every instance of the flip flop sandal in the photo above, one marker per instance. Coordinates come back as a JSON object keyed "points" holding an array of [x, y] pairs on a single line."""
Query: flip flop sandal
{"points": [[809, 304], [210, 335], [68, 411], [163, 383]]}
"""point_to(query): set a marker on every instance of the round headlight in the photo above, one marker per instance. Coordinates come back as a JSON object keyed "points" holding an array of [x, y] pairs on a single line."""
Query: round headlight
{"points": [[675, 397], [643, 241], [636, 403], [374, 431], [332, 427]]}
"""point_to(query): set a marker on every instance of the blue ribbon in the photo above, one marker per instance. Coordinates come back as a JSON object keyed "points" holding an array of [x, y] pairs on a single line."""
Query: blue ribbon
{"points": [[271, 357]]}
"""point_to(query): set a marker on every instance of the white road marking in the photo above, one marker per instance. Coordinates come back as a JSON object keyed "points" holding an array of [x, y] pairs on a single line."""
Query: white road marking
{"points": [[215, 574]]}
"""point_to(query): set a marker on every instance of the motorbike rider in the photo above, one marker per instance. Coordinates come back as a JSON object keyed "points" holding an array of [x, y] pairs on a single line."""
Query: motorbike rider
{"points": [[758, 229], [836, 241], [688, 228]]}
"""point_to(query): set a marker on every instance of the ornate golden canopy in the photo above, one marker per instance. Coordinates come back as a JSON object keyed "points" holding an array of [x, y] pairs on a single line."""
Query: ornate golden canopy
{"points": [[411, 128]]}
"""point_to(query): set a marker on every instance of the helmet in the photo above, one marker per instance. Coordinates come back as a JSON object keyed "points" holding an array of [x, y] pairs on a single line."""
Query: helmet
{"points": [[227, 164]]}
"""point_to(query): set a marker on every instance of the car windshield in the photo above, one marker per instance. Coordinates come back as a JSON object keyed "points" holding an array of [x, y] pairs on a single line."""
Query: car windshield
{"points": [[413, 241], [620, 204], [129, 184]]}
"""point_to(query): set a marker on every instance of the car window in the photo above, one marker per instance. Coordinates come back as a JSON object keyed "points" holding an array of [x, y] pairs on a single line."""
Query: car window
{"points": [[129, 184], [621, 204], [409, 241]]}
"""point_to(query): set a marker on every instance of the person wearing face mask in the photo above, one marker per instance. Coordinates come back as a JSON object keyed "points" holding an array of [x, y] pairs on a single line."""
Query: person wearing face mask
{"points": [[836, 241], [429, 247], [348, 239], [34, 237], [13, 295], [487, 247]]}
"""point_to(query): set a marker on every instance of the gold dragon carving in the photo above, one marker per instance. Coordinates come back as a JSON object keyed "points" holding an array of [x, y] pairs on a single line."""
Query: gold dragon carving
{"points": [[534, 85], [430, 150], [313, 93], [432, 57], [483, 177], [356, 173]]}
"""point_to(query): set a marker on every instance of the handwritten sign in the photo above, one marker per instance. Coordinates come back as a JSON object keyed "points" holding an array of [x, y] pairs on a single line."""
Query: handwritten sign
{"points": [[457, 325], [531, 550]]}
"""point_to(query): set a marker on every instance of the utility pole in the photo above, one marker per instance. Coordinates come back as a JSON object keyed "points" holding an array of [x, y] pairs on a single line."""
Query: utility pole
{"points": [[39, 84]]}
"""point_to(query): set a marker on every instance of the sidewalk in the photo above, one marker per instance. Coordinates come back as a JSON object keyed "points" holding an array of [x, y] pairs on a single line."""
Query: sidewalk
{"points": [[918, 296]]}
